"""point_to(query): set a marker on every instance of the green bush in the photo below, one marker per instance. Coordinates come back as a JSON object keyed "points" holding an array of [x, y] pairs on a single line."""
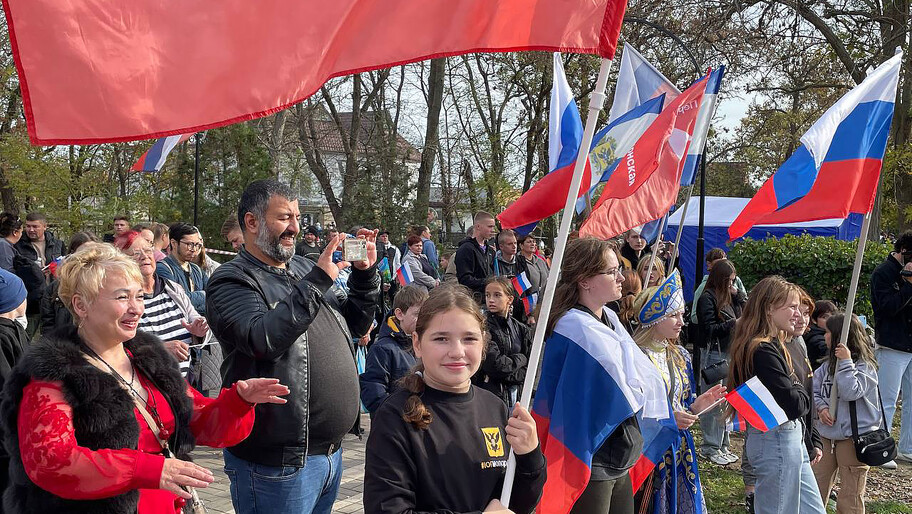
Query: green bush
{"points": [[821, 265]]}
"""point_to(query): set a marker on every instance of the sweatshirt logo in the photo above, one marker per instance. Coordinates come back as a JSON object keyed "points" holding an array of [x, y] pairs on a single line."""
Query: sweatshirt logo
{"points": [[493, 441]]}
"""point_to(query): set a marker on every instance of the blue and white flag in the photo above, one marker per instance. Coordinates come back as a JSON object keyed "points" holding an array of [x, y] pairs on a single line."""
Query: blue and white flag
{"points": [[638, 81], [701, 129]]}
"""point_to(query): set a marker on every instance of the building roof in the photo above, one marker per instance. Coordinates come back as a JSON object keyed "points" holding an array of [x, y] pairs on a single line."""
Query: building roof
{"points": [[329, 140]]}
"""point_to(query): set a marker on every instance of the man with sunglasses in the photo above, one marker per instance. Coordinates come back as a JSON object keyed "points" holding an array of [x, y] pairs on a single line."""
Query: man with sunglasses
{"points": [[178, 266], [891, 298]]}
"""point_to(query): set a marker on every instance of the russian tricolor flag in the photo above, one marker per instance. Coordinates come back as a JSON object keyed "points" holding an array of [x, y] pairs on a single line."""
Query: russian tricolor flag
{"points": [[529, 302], [565, 133], [756, 404], [659, 435], [638, 81], [154, 158], [521, 283], [737, 423], [704, 119], [404, 275], [836, 169], [583, 355]]}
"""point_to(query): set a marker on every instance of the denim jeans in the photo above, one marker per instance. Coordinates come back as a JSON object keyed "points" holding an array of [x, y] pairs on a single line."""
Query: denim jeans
{"points": [[785, 481], [894, 372], [712, 423], [258, 489]]}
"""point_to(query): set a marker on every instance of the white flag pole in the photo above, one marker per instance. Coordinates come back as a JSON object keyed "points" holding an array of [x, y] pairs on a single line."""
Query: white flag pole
{"points": [[674, 251], [655, 250], [596, 102]]}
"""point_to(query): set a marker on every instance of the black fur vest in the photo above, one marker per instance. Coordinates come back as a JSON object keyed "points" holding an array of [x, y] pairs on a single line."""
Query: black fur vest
{"points": [[103, 415]]}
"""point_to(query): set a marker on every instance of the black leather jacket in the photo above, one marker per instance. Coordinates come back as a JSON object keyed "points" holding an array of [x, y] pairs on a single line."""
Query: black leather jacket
{"points": [[261, 316]]}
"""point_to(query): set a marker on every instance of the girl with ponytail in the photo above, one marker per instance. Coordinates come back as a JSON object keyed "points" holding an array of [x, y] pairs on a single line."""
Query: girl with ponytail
{"points": [[440, 444]]}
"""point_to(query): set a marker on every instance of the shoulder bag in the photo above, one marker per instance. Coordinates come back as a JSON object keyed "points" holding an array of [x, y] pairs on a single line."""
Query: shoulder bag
{"points": [[875, 447]]}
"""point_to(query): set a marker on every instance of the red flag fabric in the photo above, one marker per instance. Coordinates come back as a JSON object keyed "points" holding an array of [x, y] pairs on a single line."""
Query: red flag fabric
{"points": [[646, 182], [95, 71]]}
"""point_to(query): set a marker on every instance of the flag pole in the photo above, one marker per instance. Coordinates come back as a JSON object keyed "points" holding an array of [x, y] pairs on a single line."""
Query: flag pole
{"points": [[596, 102], [674, 251], [655, 251], [853, 290]]}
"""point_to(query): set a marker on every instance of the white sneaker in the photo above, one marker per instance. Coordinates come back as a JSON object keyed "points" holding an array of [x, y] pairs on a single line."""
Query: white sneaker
{"points": [[907, 457], [889, 465], [732, 458], [720, 458]]}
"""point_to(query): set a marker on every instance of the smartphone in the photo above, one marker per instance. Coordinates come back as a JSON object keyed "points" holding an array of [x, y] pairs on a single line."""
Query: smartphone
{"points": [[354, 250]]}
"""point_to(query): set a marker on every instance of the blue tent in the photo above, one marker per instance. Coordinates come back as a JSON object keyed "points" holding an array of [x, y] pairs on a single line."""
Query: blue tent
{"points": [[721, 212]]}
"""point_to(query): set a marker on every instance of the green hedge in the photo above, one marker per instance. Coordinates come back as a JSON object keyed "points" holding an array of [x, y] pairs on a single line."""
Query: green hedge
{"points": [[821, 265]]}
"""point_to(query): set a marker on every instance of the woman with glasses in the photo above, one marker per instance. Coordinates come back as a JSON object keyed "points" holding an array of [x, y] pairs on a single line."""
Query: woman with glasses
{"points": [[168, 311], [582, 327]]}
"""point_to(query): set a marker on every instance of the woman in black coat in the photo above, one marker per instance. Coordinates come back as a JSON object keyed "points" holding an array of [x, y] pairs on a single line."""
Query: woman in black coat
{"points": [[504, 367], [717, 309]]}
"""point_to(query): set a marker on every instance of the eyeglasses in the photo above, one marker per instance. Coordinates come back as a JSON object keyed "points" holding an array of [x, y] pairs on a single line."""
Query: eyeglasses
{"points": [[192, 246], [144, 251], [612, 272]]}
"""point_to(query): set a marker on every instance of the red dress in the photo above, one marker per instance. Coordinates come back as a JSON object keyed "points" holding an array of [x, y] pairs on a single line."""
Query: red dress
{"points": [[55, 462]]}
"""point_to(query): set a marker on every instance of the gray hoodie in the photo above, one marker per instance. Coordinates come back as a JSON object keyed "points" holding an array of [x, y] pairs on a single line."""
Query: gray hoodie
{"points": [[855, 381]]}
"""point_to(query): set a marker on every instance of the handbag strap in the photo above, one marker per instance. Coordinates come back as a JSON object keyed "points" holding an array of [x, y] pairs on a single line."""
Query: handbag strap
{"points": [[854, 415]]}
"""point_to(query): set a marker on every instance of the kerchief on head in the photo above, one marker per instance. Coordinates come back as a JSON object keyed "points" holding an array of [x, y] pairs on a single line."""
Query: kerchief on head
{"points": [[667, 300]]}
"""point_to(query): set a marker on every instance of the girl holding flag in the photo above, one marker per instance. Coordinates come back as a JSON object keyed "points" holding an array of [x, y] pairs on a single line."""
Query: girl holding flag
{"points": [[785, 481], [660, 316], [440, 444]]}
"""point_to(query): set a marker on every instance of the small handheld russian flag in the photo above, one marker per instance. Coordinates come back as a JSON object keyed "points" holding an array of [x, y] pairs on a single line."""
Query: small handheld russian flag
{"points": [[736, 423], [154, 158], [756, 404], [54, 264], [529, 302], [521, 283], [404, 274]]}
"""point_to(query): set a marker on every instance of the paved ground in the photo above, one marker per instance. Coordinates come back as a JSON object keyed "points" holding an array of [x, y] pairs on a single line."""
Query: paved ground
{"points": [[218, 499]]}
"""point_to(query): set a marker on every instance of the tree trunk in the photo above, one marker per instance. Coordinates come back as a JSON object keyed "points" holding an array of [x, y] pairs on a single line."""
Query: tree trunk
{"points": [[431, 137], [6, 190]]}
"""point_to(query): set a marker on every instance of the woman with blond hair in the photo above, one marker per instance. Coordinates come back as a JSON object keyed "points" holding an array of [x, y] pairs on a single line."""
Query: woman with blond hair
{"points": [[785, 482], [97, 417], [658, 271], [660, 318]]}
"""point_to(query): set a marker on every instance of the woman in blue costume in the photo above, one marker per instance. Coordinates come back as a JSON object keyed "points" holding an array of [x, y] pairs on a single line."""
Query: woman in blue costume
{"points": [[675, 485]]}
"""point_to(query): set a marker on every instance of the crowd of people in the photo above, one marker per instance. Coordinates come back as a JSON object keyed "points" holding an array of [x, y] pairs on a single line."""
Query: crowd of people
{"points": [[119, 355]]}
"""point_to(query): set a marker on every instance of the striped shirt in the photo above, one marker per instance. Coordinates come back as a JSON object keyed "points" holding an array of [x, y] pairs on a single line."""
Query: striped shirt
{"points": [[163, 317]]}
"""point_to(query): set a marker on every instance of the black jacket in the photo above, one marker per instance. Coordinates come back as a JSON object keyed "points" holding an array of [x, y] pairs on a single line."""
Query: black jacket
{"points": [[785, 386], [507, 357], [262, 317], [474, 266], [891, 298], [53, 248], [13, 343], [389, 359], [815, 341], [631, 255], [53, 313], [716, 330], [103, 415]]}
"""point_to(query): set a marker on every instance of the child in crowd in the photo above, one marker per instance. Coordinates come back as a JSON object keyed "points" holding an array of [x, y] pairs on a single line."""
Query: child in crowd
{"points": [[785, 482], [815, 338], [391, 357], [13, 340], [504, 366], [441, 444], [853, 370]]}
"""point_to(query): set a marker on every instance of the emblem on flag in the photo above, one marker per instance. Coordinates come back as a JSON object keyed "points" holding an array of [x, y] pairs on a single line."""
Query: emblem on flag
{"points": [[756, 404], [404, 275]]}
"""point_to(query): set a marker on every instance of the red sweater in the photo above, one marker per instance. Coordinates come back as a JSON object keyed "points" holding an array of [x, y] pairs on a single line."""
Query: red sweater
{"points": [[56, 463]]}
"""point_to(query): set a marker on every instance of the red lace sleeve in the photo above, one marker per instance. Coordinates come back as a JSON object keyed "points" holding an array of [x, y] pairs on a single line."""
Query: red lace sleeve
{"points": [[224, 421], [56, 463]]}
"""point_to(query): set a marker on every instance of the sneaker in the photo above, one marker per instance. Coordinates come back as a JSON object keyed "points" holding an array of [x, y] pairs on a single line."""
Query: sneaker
{"points": [[719, 458], [732, 458], [907, 457], [889, 465], [749, 503]]}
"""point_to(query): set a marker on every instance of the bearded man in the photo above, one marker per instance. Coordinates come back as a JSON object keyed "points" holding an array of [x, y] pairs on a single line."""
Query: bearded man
{"points": [[275, 315]]}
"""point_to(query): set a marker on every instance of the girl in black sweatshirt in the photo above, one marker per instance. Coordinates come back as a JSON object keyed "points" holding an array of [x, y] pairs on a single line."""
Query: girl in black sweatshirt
{"points": [[504, 368], [440, 445], [778, 456]]}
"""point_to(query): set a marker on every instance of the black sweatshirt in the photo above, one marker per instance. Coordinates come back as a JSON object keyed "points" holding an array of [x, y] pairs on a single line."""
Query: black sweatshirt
{"points": [[788, 391], [456, 465]]}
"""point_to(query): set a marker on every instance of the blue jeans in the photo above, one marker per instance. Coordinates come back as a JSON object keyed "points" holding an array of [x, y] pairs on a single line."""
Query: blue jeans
{"points": [[894, 373], [258, 489], [783, 470], [712, 423]]}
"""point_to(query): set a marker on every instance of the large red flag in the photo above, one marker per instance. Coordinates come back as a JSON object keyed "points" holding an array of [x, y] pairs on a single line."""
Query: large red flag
{"points": [[96, 71], [646, 182]]}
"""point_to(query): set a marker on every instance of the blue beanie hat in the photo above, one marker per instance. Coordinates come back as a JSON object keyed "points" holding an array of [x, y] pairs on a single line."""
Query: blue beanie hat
{"points": [[12, 291]]}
